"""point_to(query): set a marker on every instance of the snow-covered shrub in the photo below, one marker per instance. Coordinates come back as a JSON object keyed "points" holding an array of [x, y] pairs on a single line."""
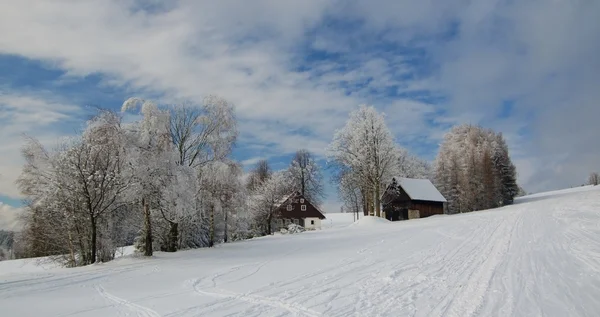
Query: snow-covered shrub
{"points": [[292, 228]]}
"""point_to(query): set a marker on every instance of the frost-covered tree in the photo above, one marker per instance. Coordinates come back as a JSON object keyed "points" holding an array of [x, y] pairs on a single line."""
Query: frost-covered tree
{"points": [[594, 179], [265, 200], [366, 147], [151, 155], [222, 191], [350, 193], [198, 135], [473, 169], [411, 166], [305, 176], [78, 188], [204, 133]]}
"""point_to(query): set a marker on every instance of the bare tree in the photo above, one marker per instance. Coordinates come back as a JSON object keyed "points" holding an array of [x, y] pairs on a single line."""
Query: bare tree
{"points": [[306, 176], [259, 175]]}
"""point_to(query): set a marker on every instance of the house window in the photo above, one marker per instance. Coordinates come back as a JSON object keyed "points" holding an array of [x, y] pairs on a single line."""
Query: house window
{"points": [[296, 221], [302, 200], [290, 207], [303, 207], [312, 222]]}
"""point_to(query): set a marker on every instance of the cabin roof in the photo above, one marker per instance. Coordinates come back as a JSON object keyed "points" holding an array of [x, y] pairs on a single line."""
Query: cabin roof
{"points": [[420, 189]]}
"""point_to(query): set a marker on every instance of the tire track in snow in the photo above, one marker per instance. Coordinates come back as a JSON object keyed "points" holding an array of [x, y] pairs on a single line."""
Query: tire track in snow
{"points": [[140, 311], [294, 308], [470, 297], [339, 267]]}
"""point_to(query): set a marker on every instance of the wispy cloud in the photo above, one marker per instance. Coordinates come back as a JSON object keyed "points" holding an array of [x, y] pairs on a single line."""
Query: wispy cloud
{"points": [[36, 114]]}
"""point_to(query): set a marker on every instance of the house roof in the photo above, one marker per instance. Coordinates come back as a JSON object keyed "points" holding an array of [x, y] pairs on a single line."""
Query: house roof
{"points": [[311, 210], [420, 189]]}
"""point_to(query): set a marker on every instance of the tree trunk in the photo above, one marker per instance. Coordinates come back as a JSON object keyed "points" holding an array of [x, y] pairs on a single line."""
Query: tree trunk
{"points": [[211, 234], [365, 202], [72, 262], [225, 233], [148, 228], [269, 218], [377, 202], [173, 234], [93, 246]]}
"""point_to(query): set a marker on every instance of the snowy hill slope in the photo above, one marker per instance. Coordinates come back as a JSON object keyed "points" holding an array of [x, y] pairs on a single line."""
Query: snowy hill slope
{"points": [[539, 257]]}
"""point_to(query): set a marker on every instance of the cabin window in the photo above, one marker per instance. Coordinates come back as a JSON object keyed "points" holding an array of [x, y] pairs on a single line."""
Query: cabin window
{"points": [[296, 221], [290, 207], [303, 207], [312, 222], [302, 200]]}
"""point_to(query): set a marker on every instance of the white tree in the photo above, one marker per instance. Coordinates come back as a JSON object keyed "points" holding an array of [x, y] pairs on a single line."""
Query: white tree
{"points": [[75, 192], [151, 154], [411, 166], [350, 194], [221, 187], [594, 179], [199, 135], [473, 169], [265, 201], [204, 133], [366, 147]]}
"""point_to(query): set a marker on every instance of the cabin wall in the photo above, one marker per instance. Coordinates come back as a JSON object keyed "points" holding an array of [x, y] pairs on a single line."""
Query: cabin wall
{"points": [[427, 209]]}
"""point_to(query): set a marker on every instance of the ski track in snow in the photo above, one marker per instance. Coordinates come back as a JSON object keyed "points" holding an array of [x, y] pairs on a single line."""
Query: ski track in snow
{"points": [[140, 311], [539, 257]]}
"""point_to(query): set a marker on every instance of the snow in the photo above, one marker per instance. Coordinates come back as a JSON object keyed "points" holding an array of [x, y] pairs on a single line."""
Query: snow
{"points": [[371, 221], [538, 257], [337, 220], [420, 189]]}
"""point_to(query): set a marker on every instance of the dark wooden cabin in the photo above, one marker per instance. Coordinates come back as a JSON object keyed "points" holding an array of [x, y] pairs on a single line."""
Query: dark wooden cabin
{"points": [[297, 209], [409, 198]]}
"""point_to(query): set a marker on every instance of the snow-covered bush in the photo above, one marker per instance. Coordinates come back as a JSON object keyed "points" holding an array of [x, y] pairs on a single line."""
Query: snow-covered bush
{"points": [[292, 228]]}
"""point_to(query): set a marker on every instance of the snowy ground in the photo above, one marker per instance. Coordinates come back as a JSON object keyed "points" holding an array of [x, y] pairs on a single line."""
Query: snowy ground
{"points": [[539, 257]]}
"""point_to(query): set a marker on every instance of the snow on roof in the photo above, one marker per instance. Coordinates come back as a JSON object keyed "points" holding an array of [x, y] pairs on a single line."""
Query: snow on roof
{"points": [[420, 189]]}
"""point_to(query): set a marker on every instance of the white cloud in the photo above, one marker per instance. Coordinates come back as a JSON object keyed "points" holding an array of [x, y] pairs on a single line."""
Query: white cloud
{"points": [[37, 115], [9, 218], [541, 54]]}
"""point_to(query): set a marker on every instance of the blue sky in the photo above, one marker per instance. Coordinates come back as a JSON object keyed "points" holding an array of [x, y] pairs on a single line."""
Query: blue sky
{"points": [[295, 70]]}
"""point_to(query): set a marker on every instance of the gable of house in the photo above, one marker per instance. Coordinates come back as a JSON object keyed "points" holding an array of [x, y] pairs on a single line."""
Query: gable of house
{"points": [[297, 206]]}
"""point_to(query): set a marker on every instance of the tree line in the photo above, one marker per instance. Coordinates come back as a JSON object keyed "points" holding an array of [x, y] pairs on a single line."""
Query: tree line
{"points": [[165, 181], [473, 169]]}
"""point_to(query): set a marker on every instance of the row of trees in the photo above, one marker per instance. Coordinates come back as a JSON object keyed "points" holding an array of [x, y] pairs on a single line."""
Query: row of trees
{"points": [[473, 169], [163, 182]]}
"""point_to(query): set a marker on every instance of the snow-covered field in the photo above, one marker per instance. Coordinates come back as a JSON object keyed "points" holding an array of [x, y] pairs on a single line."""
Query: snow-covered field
{"points": [[539, 257]]}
